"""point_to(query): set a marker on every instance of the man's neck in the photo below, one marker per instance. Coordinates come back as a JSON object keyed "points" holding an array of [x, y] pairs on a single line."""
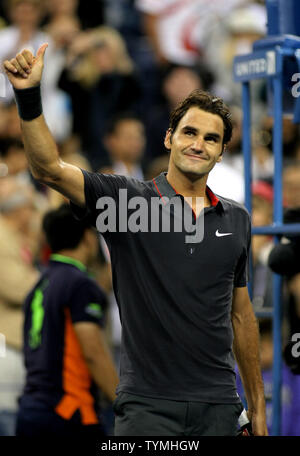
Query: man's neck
{"points": [[76, 254], [188, 187]]}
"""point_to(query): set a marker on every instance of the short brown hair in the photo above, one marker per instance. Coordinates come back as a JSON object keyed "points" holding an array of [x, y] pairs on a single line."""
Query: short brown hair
{"points": [[206, 102]]}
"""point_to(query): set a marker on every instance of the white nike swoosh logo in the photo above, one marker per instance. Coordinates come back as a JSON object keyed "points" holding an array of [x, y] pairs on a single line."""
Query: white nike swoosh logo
{"points": [[222, 234]]}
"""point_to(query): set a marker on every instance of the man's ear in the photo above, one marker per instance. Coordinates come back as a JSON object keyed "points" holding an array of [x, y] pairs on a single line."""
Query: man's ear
{"points": [[168, 139]]}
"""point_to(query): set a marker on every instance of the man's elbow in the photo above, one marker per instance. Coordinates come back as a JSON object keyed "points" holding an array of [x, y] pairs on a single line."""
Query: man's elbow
{"points": [[49, 175]]}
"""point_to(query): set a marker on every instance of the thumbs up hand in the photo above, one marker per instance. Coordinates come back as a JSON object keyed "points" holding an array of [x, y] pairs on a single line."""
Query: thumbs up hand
{"points": [[25, 70]]}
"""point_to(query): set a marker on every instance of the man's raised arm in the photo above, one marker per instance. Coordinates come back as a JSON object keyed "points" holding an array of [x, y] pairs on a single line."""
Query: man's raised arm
{"points": [[25, 74]]}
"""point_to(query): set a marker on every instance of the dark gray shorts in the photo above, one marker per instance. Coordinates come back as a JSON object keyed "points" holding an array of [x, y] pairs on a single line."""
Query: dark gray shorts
{"points": [[140, 415]]}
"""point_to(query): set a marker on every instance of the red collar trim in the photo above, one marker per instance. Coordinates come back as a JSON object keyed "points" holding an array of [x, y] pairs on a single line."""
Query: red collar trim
{"points": [[213, 198]]}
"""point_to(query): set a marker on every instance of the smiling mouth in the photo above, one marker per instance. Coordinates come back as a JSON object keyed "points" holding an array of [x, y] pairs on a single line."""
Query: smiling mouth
{"points": [[195, 157]]}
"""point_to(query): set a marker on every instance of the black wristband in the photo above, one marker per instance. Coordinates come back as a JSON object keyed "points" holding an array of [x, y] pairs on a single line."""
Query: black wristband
{"points": [[29, 102]]}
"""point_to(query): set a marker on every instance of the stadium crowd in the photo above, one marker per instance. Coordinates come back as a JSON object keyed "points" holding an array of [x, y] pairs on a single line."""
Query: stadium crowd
{"points": [[114, 70]]}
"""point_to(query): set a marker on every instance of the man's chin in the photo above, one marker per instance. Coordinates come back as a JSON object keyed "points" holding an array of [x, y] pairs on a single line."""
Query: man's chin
{"points": [[192, 172]]}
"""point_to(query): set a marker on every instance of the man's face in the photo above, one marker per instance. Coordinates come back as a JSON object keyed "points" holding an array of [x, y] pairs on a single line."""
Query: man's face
{"points": [[197, 143], [128, 141], [26, 12]]}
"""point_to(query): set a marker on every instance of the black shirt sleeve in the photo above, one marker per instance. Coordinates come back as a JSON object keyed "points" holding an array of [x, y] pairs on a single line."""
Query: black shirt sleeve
{"points": [[241, 275], [88, 303], [98, 185]]}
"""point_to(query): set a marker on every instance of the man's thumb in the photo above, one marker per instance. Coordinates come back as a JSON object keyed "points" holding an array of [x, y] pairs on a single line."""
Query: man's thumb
{"points": [[41, 52]]}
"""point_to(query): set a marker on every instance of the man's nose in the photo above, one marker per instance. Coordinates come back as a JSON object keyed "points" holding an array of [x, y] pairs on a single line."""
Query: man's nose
{"points": [[198, 144]]}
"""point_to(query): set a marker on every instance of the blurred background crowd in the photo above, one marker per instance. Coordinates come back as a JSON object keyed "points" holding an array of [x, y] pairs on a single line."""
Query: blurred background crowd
{"points": [[114, 70]]}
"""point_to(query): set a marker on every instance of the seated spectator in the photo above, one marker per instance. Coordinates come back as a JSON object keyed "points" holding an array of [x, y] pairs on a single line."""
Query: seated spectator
{"points": [[66, 355], [101, 82]]}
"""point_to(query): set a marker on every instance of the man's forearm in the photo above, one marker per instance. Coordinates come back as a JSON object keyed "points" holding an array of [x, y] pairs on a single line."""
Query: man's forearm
{"points": [[25, 74], [246, 351], [104, 374], [40, 148]]}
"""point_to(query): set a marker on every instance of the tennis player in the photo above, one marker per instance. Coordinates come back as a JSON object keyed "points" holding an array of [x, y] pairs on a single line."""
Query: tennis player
{"points": [[183, 300]]}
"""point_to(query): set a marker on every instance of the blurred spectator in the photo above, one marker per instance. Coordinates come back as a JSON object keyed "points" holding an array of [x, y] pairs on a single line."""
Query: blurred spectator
{"points": [[290, 136], [177, 82], [234, 147], [63, 25], [262, 156], [179, 31], [66, 355], [291, 185], [19, 239], [13, 162], [12, 155], [24, 32], [262, 215], [13, 129], [18, 243], [290, 389], [61, 9], [125, 143], [242, 26], [25, 17], [101, 82]]}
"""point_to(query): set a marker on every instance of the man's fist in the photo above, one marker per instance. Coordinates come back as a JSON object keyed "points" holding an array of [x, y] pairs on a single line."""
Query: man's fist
{"points": [[25, 70]]}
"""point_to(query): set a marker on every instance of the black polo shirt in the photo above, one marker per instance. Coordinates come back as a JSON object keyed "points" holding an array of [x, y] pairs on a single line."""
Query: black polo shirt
{"points": [[175, 298]]}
